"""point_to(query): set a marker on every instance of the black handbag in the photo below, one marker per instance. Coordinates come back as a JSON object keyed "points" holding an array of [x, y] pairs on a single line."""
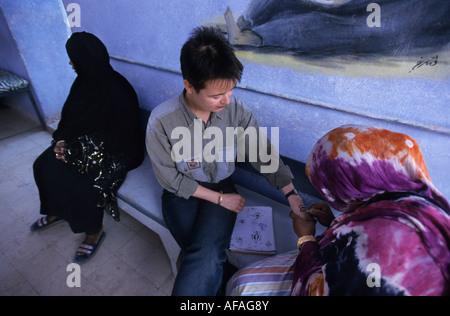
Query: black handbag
{"points": [[88, 155]]}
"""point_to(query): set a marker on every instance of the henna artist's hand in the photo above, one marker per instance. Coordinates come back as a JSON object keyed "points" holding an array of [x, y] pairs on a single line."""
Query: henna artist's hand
{"points": [[303, 225], [322, 212]]}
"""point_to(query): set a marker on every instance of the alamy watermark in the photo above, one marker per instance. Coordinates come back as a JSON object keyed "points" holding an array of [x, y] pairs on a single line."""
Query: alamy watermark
{"points": [[239, 144], [374, 277], [74, 16], [374, 18], [74, 278]]}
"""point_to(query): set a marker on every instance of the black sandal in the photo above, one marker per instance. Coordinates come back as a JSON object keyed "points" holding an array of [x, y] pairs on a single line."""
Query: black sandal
{"points": [[86, 252], [43, 223]]}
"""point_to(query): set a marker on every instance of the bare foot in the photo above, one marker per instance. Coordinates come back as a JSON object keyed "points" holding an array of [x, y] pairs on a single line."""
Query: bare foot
{"points": [[50, 218], [94, 238]]}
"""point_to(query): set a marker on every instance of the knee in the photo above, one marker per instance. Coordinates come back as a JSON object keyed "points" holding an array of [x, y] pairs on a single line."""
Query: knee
{"points": [[209, 254], [38, 163]]}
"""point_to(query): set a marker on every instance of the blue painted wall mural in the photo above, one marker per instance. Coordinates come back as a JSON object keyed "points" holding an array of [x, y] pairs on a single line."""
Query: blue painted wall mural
{"points": [[334, 27], [386, 65]]}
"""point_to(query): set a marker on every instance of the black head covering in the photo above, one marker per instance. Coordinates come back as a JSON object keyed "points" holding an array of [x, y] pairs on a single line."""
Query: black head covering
{"points": [[100, 101], [89, 56]]}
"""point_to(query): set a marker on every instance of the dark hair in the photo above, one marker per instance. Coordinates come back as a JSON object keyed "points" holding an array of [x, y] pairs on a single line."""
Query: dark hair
{"points": [[208, 56]]}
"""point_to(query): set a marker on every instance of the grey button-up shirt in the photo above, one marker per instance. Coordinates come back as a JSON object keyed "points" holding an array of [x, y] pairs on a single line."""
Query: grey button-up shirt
{"points": [[184, 150]]}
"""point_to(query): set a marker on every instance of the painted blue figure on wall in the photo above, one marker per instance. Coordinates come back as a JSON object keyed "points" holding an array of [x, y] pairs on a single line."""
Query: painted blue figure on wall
{"points": [[332, 27]]}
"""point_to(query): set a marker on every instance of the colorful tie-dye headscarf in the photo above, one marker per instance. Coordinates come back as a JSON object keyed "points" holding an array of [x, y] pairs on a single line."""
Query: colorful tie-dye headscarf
{"points": [[394, 219], [352, 164]]}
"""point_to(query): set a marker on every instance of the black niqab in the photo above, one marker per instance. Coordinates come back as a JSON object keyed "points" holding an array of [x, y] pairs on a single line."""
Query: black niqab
{"points": [[100, 101]]}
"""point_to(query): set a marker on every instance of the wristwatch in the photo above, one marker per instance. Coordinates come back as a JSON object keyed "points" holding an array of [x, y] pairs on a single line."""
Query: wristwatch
{"points": [[294, 191]]}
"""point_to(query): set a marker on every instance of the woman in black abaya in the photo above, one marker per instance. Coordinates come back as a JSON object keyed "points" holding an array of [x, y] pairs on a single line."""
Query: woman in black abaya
{"points": [[97, 141]]}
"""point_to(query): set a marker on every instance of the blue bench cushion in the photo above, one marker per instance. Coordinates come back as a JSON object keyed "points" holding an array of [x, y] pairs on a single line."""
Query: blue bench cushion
{"points": [[10, 82], [142, 191]]}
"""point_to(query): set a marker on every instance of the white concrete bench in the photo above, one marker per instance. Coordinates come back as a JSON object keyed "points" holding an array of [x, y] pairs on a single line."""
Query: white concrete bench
{"points": [[140, 196]]}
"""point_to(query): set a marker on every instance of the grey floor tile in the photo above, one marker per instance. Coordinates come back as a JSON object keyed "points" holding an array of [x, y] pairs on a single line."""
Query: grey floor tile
{"points": [[132, 260]]}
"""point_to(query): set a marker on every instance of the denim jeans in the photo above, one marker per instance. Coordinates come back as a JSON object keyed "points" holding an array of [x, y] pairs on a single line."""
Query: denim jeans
{"points": [[203, 231]]}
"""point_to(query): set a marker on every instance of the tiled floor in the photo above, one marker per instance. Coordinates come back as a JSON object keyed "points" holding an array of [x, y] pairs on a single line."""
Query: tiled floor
{"points": [[131, 261], [12, 122]]}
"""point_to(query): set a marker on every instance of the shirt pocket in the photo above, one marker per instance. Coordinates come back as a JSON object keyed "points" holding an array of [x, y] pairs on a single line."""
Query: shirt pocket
{"points": [[193, 168]]}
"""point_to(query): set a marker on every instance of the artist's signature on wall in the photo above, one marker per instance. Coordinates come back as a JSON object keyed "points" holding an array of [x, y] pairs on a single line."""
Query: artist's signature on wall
{"points": [[425, 62]]}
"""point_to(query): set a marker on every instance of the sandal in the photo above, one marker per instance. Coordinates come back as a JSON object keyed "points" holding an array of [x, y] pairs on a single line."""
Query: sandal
{"points": [[43, 223], [86, 252]]}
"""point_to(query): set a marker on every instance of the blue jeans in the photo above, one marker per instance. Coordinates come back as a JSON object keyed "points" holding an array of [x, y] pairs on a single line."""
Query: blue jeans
{"points": [[203, 231]]}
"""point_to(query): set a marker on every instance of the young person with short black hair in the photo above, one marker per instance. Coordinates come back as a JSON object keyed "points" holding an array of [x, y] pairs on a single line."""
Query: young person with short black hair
{"points": [[200, 201]]}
